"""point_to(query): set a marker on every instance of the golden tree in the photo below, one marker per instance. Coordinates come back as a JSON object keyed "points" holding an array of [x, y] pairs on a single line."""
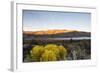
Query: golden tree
{"points": [[36, 52], [48, 55], [62, 52], [50, 52], [54, 48]]}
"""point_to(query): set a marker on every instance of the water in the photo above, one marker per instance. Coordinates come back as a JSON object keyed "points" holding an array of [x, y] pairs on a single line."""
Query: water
{"points": [[73, 38]]}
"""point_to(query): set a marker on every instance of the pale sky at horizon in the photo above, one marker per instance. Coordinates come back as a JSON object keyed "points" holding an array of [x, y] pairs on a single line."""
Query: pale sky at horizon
{"points": [[35, 20]]}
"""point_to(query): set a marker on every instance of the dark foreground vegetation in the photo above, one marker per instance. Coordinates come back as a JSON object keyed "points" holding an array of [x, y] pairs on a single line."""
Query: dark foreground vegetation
{"points": [[55, 50]]}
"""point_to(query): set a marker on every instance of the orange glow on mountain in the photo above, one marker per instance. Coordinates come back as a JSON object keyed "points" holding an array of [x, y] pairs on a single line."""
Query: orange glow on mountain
{"points": [[48, 32]]}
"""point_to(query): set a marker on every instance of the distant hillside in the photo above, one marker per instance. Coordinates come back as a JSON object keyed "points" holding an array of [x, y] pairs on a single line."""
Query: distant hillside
{"points": [[57, 33], [47, 32]]}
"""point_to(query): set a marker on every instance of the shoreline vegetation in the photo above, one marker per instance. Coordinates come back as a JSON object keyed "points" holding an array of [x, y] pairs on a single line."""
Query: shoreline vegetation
{"points": [[56, 45]]}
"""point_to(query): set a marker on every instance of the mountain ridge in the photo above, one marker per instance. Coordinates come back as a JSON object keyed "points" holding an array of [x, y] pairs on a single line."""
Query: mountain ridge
{"points": [[49, 32], [56, 34]]}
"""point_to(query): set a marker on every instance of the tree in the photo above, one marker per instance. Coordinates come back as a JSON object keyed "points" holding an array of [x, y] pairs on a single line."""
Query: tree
{"points": [[62, 52], [36, 52], [48, 55], [49, 52], [54, 48]]}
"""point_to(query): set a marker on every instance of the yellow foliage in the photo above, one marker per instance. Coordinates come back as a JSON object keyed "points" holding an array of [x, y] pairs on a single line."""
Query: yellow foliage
{"points": [[54, 48], [50, 52], [36, 52], [48, 55], [63, 52]]}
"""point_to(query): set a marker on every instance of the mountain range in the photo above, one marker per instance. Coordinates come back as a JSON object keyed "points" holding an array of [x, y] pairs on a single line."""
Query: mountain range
{"points": [[57, 33], [48, 32]]}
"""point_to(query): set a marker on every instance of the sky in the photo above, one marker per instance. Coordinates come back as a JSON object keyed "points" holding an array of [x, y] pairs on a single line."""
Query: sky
{"points": [[35, 20]]}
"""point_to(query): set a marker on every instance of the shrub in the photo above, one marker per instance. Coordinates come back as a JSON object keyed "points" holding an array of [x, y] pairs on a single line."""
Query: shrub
{"points": [[36, 52], [62, 52], [54, 48], [48, 55], [49, 52]]}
